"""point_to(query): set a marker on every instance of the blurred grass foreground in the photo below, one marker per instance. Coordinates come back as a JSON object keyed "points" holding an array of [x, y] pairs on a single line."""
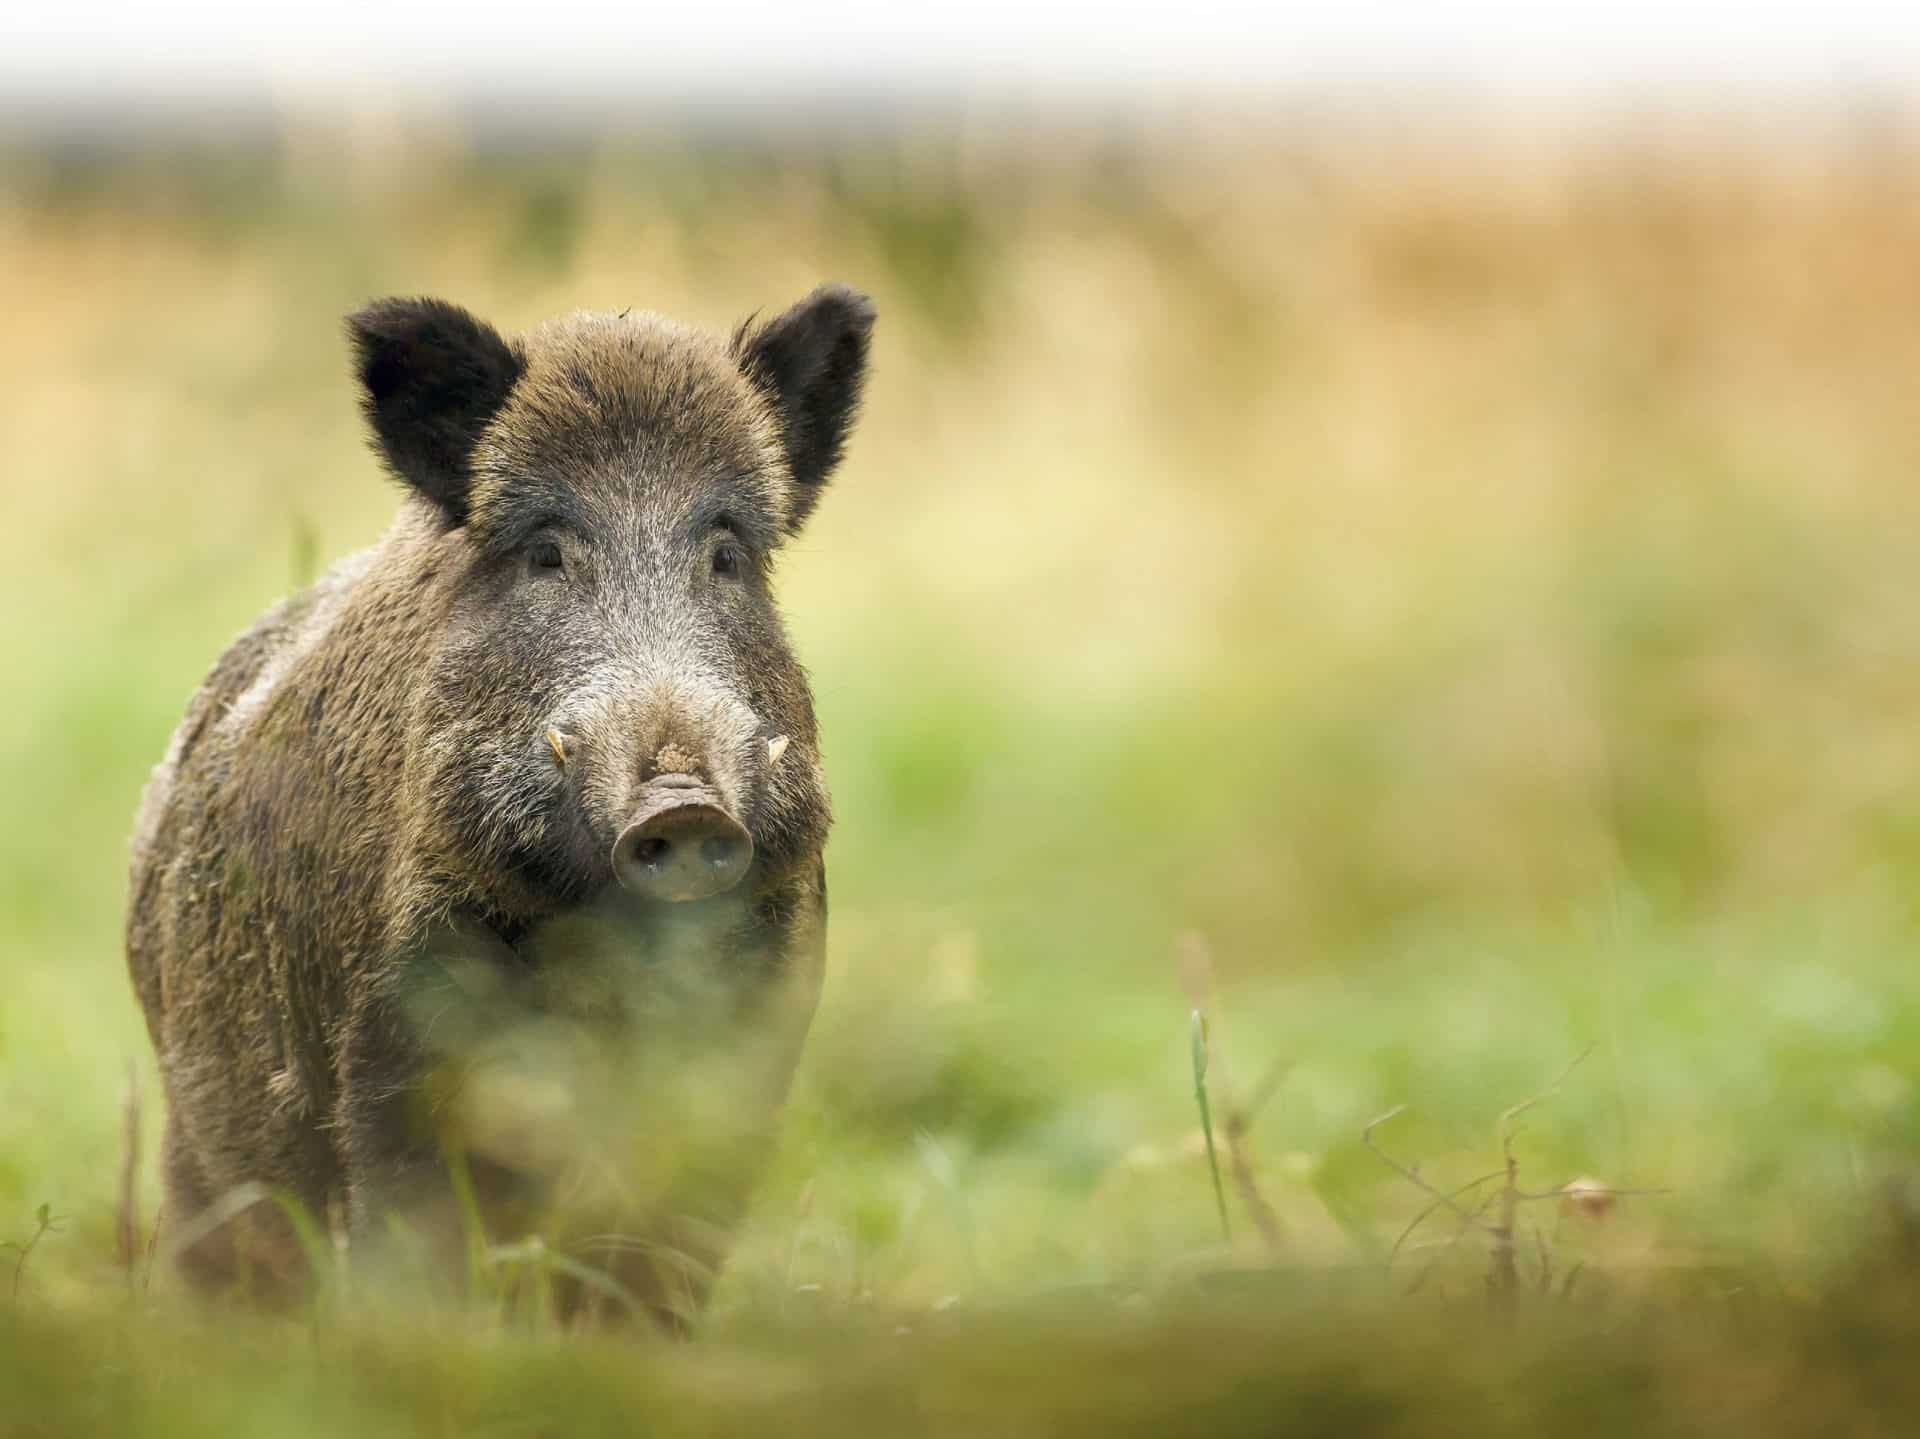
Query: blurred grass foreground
{"points": [[1439, 601]]}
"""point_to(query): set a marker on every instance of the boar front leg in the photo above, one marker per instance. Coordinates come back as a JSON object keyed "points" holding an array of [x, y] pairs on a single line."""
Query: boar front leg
{"points": [[409, 1173]]}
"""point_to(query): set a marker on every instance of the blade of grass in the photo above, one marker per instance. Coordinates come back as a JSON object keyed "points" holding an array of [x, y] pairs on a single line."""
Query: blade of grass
{"points": [[1199, 1035]]}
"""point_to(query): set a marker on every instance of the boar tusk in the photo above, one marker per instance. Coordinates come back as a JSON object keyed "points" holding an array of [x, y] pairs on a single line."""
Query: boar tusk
{"points": [[558, 742], [776, 747]]}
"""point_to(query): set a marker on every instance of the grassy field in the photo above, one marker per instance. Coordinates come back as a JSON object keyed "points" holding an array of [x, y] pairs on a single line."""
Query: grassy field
{"points": [[1441, 603]]}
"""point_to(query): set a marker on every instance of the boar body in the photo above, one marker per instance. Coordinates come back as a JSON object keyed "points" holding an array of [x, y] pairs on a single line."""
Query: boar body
{"points": [[491, 864]]}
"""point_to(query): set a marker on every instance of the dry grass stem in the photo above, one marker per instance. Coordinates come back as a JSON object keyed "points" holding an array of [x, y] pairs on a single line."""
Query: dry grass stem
{"points": [[127, 1214]]}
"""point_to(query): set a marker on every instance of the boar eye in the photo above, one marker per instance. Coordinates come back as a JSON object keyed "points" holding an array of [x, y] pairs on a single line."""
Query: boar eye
{"points": [[726, 559], [544, 557]]}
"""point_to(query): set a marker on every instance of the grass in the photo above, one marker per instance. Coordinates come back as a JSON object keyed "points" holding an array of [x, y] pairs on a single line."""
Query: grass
{"points": [[1264, 1354], [1461, 590]]}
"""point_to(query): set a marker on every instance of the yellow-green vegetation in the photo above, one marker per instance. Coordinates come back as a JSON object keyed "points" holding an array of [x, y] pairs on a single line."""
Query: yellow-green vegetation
{"points": [[1440, 602]]}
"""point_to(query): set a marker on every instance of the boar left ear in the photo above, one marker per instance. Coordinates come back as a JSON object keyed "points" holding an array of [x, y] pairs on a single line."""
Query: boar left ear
{"points": [[811, 362], [432, 377]]}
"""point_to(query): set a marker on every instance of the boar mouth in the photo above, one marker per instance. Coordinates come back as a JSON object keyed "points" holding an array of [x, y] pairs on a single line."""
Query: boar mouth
{"points": [[681, 844]]}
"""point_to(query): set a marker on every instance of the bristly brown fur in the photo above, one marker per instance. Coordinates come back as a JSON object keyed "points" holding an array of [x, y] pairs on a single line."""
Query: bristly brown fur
{"points": [[370, 772]]}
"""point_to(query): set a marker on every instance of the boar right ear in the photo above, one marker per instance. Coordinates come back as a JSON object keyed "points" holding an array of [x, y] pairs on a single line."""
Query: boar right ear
{"points": [[432, 376], [811, 362]]}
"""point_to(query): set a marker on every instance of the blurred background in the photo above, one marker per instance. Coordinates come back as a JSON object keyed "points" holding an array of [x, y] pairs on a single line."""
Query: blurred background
{"points": [[1396, 530]]}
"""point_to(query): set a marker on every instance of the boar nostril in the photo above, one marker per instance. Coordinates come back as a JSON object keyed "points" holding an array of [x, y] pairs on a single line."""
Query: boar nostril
{"points": [[681, 846]]}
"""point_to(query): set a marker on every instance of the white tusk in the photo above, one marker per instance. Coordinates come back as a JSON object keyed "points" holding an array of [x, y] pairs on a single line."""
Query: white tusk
{"points": [[557, 742], [776, 747]]}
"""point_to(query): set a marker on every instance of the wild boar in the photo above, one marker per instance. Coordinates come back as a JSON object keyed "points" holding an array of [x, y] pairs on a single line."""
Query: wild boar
{"points": [[482, 885]]}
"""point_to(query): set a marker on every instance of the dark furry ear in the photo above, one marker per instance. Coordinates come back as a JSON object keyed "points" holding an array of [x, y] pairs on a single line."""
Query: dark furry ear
{"points": [[432, 377], [811, 363]]}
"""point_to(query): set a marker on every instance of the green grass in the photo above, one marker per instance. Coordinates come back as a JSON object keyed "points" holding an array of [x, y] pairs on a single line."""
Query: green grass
{"points": [[1246, 1353], [1467, 598]]}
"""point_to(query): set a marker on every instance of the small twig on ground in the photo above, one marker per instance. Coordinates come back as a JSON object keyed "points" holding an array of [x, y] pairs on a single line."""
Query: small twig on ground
{"points": [[1508, 1116], [1503, 1273], [1503, 1265], [45, 1222], [1503, 1270], [1239, 1128], [1427, 1213], [1240, 1161], [1412, 1176], [1467, 1222]]}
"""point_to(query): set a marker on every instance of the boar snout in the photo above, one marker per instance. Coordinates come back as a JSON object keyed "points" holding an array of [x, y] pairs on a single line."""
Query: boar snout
{"points": [[681, 844]]}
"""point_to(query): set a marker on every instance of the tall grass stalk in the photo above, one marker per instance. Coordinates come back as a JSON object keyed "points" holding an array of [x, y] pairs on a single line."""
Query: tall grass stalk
{"points": [[1199, 1031]]}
